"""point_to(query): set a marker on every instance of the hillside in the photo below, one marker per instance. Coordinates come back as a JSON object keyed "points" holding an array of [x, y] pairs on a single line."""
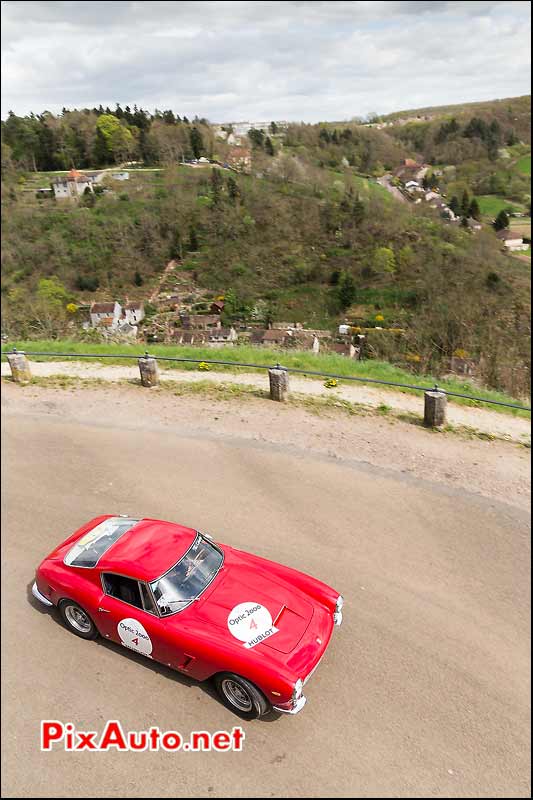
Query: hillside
{"points": [[305, 236], [511, 112]]}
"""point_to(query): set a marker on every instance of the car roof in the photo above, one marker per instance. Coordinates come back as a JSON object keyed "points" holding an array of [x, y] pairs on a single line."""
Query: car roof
{"points": [[148, 550]]}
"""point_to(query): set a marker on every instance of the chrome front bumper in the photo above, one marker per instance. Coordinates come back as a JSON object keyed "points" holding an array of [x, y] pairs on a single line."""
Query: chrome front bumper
{"points": [[337, 617], [40, 597], [300, 703]]}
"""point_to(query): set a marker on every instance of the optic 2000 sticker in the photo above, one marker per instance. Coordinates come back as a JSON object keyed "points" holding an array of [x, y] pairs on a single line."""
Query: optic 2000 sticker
{"points": [[251, 623], [133, 635]]}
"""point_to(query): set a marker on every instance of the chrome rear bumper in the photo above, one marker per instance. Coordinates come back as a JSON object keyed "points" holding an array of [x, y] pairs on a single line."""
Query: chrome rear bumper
{"points": [[40, 597]]}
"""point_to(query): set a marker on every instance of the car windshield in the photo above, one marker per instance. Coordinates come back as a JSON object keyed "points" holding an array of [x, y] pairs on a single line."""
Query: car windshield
{"points": [[188, 578], [88, 550]]}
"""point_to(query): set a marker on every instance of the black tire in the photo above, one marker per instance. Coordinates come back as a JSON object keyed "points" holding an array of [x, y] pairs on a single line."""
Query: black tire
{"points": [[77, 620], [241, 696]]}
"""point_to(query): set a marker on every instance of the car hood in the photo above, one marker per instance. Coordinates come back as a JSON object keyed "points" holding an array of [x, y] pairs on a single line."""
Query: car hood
{"points": [[239, 597]]}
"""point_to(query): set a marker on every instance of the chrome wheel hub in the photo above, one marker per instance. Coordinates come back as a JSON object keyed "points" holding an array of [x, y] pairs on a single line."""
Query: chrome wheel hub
{"points": [[78, 619], [237, 695]]}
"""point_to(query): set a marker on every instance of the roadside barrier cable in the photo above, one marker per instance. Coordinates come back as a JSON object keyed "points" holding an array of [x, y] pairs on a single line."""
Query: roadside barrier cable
{"points": [[294, 370]]}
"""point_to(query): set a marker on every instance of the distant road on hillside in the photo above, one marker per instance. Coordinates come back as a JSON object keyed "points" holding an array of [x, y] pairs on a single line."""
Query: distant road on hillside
{"points": [[386, 182]]}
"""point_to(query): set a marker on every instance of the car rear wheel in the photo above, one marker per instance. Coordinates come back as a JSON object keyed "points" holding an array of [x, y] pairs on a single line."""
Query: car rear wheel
{"points": [[241, 696], [77, 620]]}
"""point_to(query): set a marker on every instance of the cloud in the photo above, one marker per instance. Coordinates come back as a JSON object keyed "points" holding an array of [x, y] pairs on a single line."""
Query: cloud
{"points": [[255, 60]]}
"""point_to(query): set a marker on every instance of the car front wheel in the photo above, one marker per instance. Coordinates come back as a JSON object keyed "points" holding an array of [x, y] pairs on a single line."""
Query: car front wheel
{"points": [[77, 620], [241, 696]]}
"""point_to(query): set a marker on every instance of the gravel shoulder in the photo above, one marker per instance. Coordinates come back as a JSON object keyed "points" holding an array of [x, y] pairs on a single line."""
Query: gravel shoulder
{"points": [[496, 469], [481, 419]]}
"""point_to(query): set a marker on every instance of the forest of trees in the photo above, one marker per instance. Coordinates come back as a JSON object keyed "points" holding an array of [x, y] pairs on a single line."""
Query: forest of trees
{"points": [[98, 137]]}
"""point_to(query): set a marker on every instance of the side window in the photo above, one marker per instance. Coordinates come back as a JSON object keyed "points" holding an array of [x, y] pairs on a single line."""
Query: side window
{"points": [[147, 599], [125, 589]]}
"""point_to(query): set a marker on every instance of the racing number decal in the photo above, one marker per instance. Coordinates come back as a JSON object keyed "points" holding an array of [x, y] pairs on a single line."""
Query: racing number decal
{"points": [[133, 635], [251, 623]]}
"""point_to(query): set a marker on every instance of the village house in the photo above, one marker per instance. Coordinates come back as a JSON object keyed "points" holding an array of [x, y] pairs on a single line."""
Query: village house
{"points": [[222, 336], [343, 349], [133, 313], [285, 326], [72, 185], [217, 307], [239, 158], [105, 315], [274, 337], [302, 340], [511, 241], [200, 322], [190, 337]]}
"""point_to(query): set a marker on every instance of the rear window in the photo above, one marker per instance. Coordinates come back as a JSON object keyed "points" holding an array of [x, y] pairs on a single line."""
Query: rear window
{"points": [[88, 550]]}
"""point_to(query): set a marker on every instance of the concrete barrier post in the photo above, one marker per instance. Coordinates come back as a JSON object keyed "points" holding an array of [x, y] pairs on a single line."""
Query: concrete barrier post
{"points": [[434, 408], [279, 384], [20, 367], [149, 371]]}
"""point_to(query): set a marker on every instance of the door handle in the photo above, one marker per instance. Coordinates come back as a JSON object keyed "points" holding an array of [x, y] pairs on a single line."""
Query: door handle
{"points": [[105, 610]]}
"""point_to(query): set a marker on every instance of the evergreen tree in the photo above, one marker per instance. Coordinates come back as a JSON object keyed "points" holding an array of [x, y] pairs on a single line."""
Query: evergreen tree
{"points": [[257, 138], [501, 222], [216, 184], [273, 128], [138, 279], [193, 239], [269, 147], [454, 205], [474, 210], [176, 250], [359, 211], [197, 143], [233, 189], [465, 203], [346, 291]]}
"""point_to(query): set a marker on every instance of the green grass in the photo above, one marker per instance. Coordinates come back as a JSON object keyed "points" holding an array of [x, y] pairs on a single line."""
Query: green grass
{"points": [[523, 165], [490, 205], [334, 364]]}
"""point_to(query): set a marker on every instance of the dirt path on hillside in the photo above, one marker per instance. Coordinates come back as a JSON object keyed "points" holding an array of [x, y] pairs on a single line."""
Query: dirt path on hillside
{"points": [[482, 419]]}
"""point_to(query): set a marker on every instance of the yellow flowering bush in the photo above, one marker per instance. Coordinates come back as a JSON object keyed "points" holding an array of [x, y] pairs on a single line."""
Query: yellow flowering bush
{"points": [[331, 383], [379, 318], [414, 358], [460, 353], [72, 308], [203, 366]]}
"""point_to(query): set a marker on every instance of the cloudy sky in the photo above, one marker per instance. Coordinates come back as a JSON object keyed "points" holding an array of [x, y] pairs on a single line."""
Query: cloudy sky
{"points": [[231, 61]]}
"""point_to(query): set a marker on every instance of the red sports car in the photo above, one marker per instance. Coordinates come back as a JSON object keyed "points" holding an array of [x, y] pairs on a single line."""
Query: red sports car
{"points": [[173, 594]]}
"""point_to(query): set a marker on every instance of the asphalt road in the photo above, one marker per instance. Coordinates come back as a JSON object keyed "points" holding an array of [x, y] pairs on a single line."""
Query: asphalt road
{"points": [[424, 690]]}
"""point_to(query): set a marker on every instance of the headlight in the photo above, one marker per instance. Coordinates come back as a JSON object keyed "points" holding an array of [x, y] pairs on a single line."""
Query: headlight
{"points": [[297, 691], [337, 614]]}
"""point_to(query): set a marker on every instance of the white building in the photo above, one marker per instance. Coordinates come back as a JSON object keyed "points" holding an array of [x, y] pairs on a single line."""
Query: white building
{"points": [[72, 185], [511, 241], [105, 315], [120, 176], [133, 313]]}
